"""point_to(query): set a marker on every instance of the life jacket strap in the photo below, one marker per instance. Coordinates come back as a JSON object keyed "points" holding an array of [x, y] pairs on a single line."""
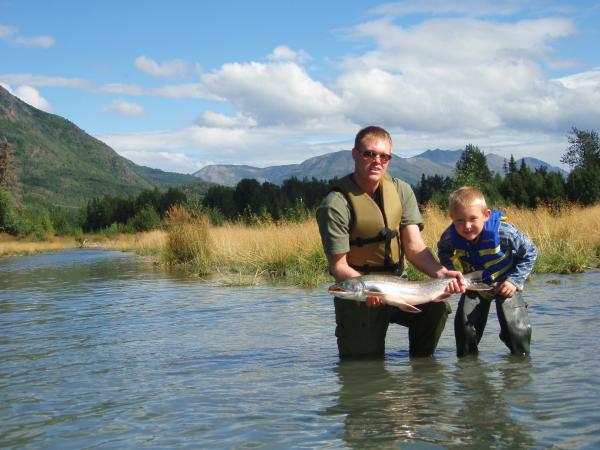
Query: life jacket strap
{"points": [[384, 235], [394, 269]]}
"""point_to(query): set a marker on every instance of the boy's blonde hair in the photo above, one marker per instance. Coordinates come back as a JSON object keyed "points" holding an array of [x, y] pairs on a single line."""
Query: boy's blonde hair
{"points": [[466, 196]]}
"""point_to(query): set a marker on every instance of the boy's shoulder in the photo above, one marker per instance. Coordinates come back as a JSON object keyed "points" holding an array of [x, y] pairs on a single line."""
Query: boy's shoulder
{"points": [[446, 235], [509, 230]]}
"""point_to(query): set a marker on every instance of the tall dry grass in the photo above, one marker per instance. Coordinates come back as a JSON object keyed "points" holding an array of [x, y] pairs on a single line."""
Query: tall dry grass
{"points": [[150, 243], [568, 239], [288, 250], [11, 246], [188, 241], [245, 254]]}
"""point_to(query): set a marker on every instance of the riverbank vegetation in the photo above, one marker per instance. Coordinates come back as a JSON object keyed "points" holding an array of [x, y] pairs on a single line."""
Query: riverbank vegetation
{"points": [[568, 241], [257, 231], [237, 253]]}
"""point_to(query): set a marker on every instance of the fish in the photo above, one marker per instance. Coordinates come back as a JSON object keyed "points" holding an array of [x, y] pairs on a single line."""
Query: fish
{"points": [[397, 291]]}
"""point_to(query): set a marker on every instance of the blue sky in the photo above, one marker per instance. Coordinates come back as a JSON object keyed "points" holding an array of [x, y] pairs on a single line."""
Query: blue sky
{"points": [[180, 84]]}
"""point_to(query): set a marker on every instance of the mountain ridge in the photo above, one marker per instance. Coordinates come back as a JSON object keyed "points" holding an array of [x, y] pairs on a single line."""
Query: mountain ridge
{"points": [[339, 163], [56, 163]]}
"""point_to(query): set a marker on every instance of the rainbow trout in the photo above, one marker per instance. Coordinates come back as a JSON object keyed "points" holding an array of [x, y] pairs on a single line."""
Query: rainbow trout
{"points": [[397, 291]]}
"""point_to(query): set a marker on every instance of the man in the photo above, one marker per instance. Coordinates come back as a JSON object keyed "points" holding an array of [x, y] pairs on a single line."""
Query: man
{"points": [[368, 222]]}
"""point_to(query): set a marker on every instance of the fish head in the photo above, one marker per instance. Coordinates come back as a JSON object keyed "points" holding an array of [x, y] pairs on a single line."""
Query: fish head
{"points": [[352, 288]]}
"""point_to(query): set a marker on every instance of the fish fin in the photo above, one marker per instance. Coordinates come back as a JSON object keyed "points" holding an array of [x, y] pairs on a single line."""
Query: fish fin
{"points": [[395, 301], [408, 308]]}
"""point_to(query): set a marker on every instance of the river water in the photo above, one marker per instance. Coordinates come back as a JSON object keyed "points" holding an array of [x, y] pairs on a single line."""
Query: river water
{"points": [[104, 350]]}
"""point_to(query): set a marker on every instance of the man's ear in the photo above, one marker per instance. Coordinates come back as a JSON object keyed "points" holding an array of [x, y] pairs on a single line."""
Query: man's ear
{"points": [[486, 215]]}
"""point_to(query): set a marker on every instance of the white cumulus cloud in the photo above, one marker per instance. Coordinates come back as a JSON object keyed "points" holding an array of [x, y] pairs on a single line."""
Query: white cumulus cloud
{"points": [[13, 36], [168, 69], [284, 53], [32, 96], [273, 94], [125, 108], [213, 119]]}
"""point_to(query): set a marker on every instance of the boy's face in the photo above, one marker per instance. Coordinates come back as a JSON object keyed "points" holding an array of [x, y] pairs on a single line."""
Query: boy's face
{"points": [[469, 220]]}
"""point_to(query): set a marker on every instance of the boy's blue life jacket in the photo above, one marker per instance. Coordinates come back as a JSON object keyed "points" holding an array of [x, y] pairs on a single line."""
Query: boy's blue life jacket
{"points": [[484, 254]]}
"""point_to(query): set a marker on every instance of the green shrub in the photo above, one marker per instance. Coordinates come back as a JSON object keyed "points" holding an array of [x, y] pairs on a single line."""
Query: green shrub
{"points": [[145, 220], [8, 214]]}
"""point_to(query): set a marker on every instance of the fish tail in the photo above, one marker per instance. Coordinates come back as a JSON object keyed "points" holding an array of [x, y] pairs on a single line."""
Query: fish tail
{"points": [[475, 282]]}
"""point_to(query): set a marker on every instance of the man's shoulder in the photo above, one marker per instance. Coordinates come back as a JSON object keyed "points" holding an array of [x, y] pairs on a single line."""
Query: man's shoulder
{"points": [[334, 199], [401, 184]]}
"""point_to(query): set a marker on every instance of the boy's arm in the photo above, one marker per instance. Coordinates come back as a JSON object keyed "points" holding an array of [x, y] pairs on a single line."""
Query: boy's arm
{"points": [[525, 254], [446, 250]]}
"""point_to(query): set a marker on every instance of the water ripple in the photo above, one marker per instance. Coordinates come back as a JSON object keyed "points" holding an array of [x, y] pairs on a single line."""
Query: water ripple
{"points": [[101, 349]]}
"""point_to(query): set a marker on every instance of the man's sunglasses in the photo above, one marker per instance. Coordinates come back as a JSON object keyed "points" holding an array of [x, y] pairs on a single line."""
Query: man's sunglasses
{"points": [[370, 154]]}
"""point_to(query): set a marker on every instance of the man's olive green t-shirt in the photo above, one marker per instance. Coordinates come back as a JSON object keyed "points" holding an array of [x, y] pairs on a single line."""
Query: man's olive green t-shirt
{"points": [[334, 217]]}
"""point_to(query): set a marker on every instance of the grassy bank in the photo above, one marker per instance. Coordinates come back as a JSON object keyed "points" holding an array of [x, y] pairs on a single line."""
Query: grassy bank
{"points": [[148, 243], [9, 245], [568, 241], [239, 254]]}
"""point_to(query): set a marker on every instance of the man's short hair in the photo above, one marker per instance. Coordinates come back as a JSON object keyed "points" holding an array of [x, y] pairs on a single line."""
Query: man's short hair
{"points": [[372, 132], [466, 196]]}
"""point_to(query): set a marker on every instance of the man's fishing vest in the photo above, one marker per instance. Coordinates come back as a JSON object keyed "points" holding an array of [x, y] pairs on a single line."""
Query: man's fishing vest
{"points": [[485, 254], [374, 231]]}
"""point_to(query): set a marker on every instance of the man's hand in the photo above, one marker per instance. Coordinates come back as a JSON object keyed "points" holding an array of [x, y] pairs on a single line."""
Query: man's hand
{"points": [[506, 289], [374, 302], [456, 285]]}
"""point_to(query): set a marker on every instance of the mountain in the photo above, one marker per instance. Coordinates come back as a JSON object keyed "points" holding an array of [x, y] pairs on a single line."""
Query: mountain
{"points": [[57, 163], [338, 164]]}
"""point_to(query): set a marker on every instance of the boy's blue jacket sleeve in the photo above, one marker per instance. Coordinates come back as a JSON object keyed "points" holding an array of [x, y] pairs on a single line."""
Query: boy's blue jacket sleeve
{"points": [[524, 253]]}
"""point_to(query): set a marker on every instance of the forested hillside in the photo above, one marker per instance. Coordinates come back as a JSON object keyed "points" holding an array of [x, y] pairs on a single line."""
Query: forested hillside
{"points": [[57, 164]]}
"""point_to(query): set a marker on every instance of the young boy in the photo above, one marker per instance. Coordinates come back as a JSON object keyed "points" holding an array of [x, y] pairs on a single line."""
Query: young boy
{"points": [[480, 239]]}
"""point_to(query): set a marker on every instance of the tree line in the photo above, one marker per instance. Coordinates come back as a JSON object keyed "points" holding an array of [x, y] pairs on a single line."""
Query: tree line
{"points": [[295, 200], [520, 185]]}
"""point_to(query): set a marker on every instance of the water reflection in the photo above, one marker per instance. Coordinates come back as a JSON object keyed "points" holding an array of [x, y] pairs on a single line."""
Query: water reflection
{"points": [[424, 401], [491, 395], [381, 405]]}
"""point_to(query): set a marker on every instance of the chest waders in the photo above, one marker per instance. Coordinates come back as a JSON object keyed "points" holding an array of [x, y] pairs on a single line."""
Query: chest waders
{"points": [[375, 247], [473, 308]]}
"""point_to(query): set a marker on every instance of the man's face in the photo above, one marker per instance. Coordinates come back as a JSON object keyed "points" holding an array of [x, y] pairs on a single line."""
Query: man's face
{"points": [[368, 165]]}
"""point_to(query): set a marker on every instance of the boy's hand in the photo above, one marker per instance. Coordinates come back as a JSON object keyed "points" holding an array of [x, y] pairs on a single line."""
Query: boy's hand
{"points": [[506, 289]]}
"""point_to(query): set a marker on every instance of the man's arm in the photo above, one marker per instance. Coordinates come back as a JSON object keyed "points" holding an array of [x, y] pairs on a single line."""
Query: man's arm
{"points": [[339, 267]]}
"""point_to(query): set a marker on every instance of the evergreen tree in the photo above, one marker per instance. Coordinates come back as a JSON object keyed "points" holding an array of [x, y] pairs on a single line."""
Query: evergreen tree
{"points": [[584, 151], [583, 155], [221, 198], [8, 179], [472, 168]]}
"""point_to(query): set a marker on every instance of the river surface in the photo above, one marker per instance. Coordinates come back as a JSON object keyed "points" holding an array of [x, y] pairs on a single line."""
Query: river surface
{"points": [[104, 350]]}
